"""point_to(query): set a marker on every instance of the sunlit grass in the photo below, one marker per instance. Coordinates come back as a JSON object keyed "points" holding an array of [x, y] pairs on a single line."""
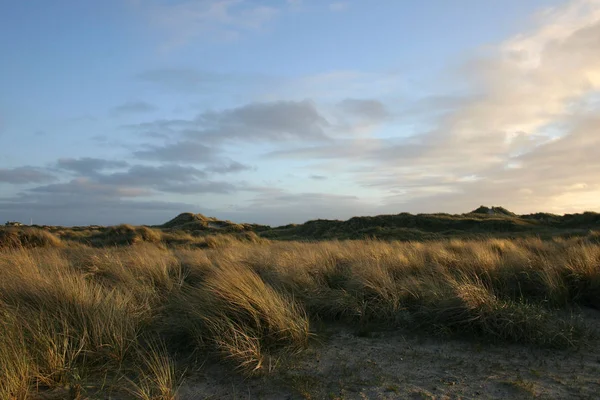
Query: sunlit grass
{"points": [[85, 317]]}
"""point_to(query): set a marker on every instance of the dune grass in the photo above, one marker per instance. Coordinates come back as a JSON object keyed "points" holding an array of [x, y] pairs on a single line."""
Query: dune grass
{"points": [[131, 318], [11, 238]]}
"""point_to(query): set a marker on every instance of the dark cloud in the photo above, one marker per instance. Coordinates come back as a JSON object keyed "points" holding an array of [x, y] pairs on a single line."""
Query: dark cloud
{"points": [[137, 181], [88, 166], [231, 167], [133, 107], [112, 198], [24, 175], [84, 187], [143, 180], [274, 121], [368, 109], [118, 193], [151, 176]]}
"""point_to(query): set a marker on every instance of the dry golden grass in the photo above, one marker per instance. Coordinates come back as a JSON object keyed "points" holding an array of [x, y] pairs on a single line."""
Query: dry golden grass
{"points": [[157, 378], [83, 317], [13, 238]]}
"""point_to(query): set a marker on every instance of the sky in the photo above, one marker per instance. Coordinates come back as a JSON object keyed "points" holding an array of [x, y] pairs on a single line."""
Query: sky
{"points": [[283, 111]]}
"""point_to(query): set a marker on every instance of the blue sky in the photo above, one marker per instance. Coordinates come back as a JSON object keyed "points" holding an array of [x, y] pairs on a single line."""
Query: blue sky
{"points": [[283, 111]]}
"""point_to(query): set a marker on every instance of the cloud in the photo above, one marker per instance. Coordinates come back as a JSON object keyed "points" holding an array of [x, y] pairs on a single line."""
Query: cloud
{"points": [[151, 176], [227, 168], [88, 166], [523, 137], [277, 121], [115, 197], [558, 176], [370, 109], [318, 177], [88, 188], [138, 180], [132, 107], [166, 178], [25, 175], [184, 151], [99, 182], [272, 121], [526, 140]]}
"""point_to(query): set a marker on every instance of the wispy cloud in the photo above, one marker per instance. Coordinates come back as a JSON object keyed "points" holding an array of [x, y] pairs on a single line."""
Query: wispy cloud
{"points": [[88, 165], [227, 168], [88, 188], [136, 181], [24, 175], [133, 107], [370, 109]]}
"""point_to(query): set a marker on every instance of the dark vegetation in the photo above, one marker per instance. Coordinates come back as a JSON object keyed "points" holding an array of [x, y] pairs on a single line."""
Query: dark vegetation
{"points": [[197, 230]]}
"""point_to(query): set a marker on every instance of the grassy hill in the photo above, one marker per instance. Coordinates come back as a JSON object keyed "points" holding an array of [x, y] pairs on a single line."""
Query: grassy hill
{"points": [[494, 221], [197, 230], [491, 221], [198, 222]]}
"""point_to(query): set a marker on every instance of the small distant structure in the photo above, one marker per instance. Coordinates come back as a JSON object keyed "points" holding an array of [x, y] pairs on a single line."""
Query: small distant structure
{"points": [[13, 223]]}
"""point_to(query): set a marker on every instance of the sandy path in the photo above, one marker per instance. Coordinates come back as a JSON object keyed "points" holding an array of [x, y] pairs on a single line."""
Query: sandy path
{"points": [[390, 365]]}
